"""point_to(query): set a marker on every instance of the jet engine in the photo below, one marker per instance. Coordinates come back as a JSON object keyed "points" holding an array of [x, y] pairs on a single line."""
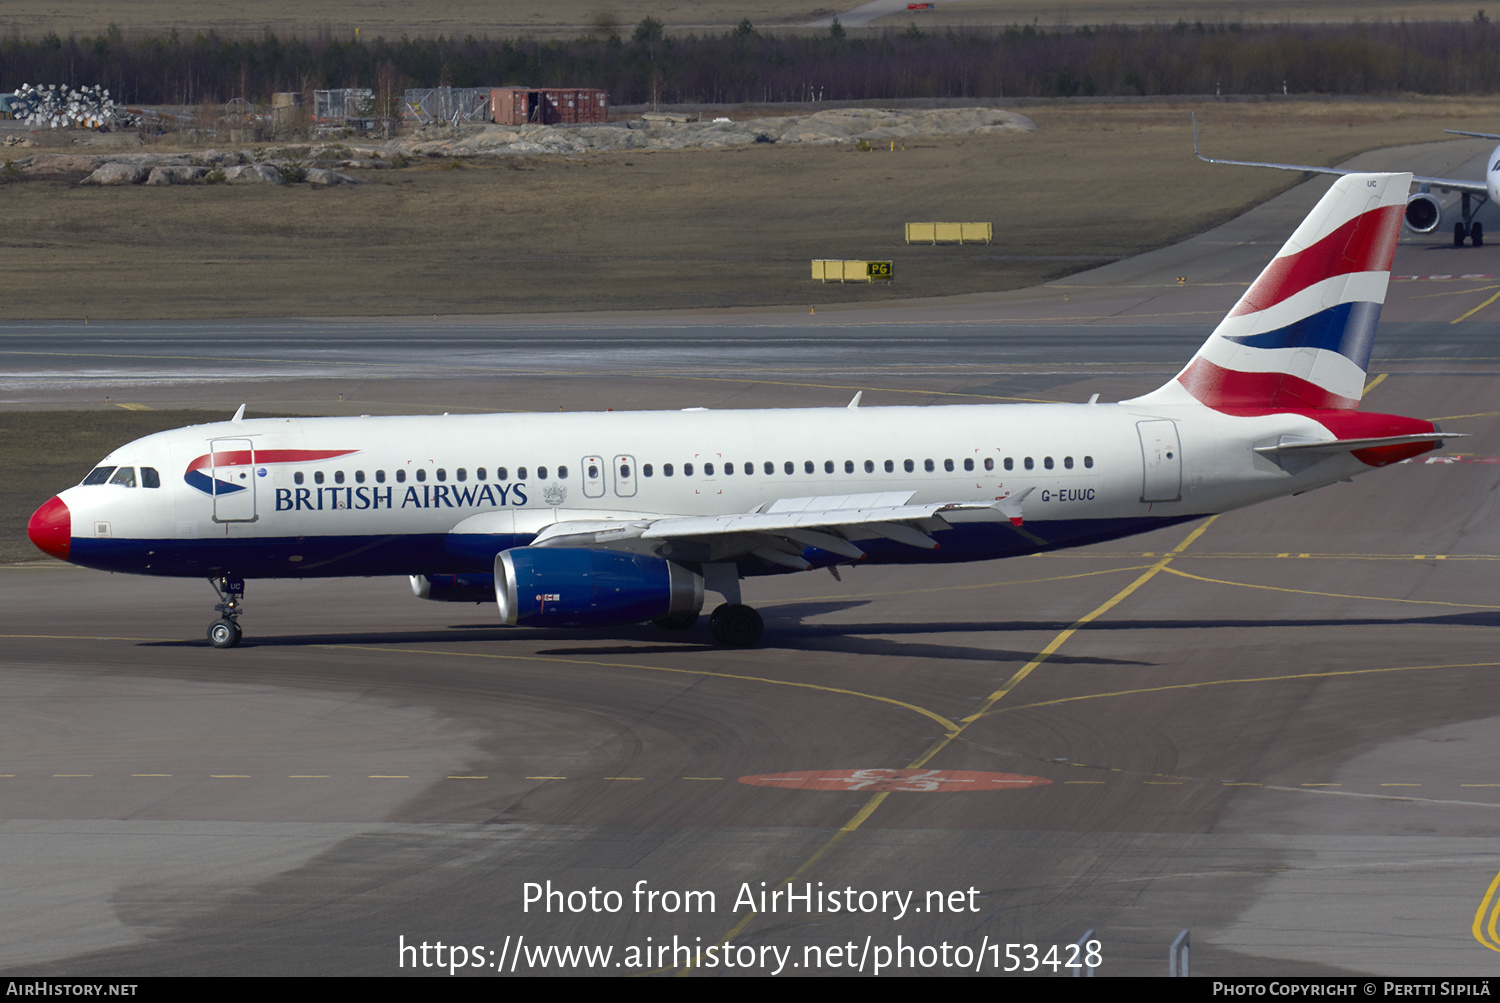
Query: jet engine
{"points": [[454, 588], [577, 587], [1423, 213]]}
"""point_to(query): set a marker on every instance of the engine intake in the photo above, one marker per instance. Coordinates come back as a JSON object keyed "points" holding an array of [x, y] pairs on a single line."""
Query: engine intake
{"points": [[576, 587], [1423, 213]]}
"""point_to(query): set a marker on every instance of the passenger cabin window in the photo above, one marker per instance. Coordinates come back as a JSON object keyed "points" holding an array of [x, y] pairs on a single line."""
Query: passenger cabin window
{"points": [[297, 477], [708, 470], [442, 474], [338, 477], [317, 477], [1088, 462], [520, 473], [1047, 462], [807, 466], [645, 470], [99, 475], [401, 477], [421, 474], [501, 474], [562, 473], [541, 473], [379, 477], [666, 470], [687, 470], [359, 476], [460, 474], [1067, 462], [769, 467]]}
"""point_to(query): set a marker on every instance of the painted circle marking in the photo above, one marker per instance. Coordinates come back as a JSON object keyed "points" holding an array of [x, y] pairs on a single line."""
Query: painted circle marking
{"points": [[941, 781]]}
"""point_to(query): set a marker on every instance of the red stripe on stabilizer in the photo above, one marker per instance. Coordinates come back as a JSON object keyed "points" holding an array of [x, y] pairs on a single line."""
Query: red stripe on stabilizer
{"points": [[1367, 243], [240, 457], [1222, 388], [1361, 425]]}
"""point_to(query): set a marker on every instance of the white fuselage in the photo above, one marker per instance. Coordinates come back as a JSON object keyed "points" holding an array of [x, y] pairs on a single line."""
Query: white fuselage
{"points": [[411, 495]]}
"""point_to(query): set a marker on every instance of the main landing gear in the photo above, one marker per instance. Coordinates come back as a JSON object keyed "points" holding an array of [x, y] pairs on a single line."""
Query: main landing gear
{"points": [[735, 625], [1474, 231], [225, 632], [1467, 228]]}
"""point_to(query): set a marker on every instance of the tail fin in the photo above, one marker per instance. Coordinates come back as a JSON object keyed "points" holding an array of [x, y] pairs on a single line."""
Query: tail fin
{"points": [[1300, 337]]}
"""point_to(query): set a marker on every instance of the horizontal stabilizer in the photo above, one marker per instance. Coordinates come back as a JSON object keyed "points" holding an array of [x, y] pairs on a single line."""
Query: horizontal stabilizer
{"points": [[1296, 445]]}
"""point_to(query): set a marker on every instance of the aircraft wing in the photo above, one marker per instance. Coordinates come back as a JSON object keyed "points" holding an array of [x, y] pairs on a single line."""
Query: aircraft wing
{"points": [[779, 531], [1443, 184]]}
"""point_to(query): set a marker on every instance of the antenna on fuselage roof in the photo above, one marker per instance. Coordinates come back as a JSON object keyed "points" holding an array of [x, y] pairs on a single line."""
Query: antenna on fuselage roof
{"points": [[855, 402], [239, 415]]}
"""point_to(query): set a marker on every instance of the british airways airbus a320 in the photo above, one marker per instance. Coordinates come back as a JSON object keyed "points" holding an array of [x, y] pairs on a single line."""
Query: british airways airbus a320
{"points": [[621, 517]]}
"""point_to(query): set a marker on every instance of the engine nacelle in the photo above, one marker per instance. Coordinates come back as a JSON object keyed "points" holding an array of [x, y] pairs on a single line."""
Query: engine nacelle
{"points": [[1423, 213], [454, 588], [573, 587]]}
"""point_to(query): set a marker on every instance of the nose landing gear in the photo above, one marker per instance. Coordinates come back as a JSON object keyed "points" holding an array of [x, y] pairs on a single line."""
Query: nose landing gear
{"points": [[225, 632]]}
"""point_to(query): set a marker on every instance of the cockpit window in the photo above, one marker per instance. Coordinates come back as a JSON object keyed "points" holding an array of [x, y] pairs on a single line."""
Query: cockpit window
{"points": [[99, 475], [150, 478], [125, 477]]}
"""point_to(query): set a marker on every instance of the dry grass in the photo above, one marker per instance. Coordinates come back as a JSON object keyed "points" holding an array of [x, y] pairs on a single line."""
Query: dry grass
{"points": [[1079, 12], [453, 17], [676, 229], [570, 18]]}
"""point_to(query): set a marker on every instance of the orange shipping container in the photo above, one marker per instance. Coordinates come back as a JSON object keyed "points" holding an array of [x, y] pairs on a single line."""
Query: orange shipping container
{"points": [[548, 105]]}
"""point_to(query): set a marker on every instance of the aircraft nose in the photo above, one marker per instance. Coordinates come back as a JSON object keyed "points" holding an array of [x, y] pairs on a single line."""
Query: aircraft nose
{"points": [[51, 528]]}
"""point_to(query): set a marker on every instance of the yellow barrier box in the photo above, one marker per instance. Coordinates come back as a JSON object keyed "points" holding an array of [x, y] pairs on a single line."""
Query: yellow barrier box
{"points": [[832, 270], [950, 233]]}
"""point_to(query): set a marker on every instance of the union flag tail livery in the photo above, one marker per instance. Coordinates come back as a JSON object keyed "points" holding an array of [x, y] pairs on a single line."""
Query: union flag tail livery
{"points": [[613, 518], [1301, 335]]}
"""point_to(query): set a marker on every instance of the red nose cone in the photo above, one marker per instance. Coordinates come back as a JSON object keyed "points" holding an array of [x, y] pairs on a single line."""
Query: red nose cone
{"points": [[51, 528]]}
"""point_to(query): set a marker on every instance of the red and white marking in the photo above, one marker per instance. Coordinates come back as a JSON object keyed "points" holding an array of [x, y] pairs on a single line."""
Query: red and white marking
{"points": [[941, 781], [1438, 278]]}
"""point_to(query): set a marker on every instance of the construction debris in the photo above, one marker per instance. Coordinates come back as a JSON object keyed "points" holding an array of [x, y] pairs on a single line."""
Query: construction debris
{"points": [[54, 106]]}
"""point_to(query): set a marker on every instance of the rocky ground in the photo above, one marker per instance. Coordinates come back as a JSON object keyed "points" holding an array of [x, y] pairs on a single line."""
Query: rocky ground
{"points": [[655, 131], [329, 164]]}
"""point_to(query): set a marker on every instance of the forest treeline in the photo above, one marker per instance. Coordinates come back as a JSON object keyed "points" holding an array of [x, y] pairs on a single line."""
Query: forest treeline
{"points": [[746, 65]]}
